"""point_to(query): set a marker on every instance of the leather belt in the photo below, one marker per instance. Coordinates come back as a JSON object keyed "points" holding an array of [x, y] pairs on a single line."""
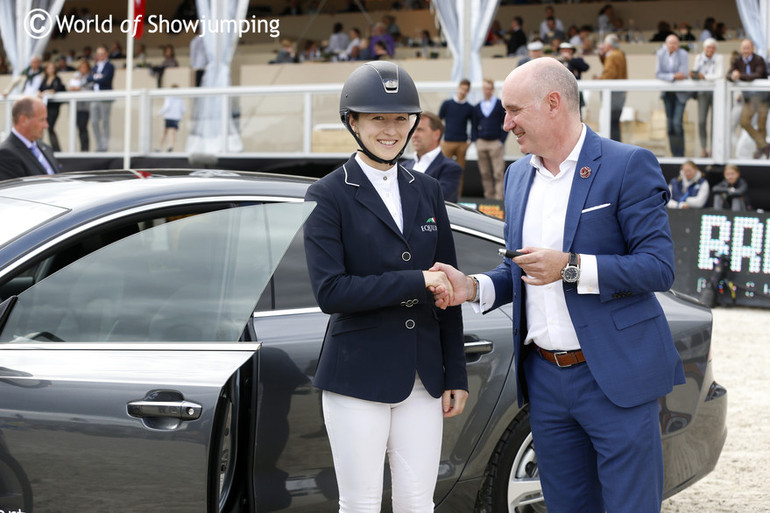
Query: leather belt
{"points": [[561, 358]]}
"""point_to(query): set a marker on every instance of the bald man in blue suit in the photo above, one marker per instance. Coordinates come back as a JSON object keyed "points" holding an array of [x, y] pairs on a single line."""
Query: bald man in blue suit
{"points": [[593, 350]]}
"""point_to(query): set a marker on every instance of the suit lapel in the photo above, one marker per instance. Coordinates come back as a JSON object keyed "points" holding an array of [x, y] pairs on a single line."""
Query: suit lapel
{"points": [[516, 194], [410, 199], [33, 165], [589, 158], [367, 195]]}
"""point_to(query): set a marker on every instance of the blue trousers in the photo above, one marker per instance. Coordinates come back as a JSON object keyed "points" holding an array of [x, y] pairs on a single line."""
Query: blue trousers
{"points": [[593, 456], [675, 118]]}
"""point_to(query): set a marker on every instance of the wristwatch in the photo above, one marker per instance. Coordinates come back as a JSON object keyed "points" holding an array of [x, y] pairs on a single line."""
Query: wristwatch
{"points": [[571, 272]]}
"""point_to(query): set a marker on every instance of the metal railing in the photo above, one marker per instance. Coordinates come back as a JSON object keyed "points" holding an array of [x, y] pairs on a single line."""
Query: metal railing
{"points": [[280, 121]]}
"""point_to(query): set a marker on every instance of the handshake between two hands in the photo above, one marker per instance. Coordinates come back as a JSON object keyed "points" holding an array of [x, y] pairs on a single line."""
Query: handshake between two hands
{"points": [[451, 287]]}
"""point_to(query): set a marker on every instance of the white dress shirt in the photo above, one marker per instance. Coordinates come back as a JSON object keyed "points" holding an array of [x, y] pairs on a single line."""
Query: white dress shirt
{"points": [[421, 164], [386, 185], [548, 320]]}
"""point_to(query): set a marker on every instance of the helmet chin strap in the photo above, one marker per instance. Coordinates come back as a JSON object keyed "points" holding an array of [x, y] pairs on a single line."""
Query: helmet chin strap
{"points": [[374, 157]]}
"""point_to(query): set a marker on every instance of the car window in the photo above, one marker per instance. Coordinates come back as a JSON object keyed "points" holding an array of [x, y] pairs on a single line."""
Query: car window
{"points": [[290, 286], [196, 278], [474, 254]]}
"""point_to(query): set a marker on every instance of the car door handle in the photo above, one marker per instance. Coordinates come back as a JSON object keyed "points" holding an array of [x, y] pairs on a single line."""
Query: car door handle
{"points": [[478, 347], [183, 410]]}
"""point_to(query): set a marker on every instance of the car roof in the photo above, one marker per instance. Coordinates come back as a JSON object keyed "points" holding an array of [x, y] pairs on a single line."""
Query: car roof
{"points": [[85, 190]]}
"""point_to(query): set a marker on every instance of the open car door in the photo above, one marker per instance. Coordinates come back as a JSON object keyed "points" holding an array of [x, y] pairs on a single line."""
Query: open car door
{"points": [[126, 383]]}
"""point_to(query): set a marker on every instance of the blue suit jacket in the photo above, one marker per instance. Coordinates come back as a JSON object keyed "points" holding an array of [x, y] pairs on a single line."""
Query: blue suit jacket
{"points": [[105, 80], [623, 332], [447, 172], [368, 276]]}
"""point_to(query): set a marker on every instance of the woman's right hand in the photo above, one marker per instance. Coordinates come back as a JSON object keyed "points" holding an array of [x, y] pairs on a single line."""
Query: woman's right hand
{"points": [[440, 286]]}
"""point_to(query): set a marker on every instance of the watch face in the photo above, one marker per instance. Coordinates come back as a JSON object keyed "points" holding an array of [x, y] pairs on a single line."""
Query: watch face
{"points": [[571, 274]]}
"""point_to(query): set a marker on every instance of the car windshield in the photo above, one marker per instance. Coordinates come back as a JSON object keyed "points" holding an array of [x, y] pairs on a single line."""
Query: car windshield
{"points": [[26, 215], [196, 278]]}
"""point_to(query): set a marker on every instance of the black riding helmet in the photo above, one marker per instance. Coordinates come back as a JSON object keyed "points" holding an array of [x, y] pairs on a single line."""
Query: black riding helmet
{"points": [[379, 87]]}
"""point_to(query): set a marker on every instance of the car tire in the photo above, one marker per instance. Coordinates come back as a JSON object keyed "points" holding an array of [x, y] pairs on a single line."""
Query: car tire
{"points": [[511, 482]]}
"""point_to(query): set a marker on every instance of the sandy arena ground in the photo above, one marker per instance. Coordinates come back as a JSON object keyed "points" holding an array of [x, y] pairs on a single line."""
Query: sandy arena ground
{"points": [[740, 483]]}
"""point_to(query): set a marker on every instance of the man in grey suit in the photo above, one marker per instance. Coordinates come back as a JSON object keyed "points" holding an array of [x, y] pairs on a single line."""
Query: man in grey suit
{"points": [[671, 65], [23, 153]]}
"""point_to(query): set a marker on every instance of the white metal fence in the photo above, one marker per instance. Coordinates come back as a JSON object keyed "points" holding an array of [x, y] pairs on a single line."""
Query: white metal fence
{"points": [[302, 120]]}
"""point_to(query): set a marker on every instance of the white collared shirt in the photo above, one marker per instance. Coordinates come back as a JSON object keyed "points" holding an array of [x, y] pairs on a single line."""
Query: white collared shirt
{"points": [[488, 106], [386, 185], [548, 320], [422, 164]]}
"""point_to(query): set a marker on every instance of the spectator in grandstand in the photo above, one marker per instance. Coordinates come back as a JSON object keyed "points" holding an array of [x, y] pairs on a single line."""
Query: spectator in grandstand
{"points": [[684, 32], [489, 137], [720, 31], [380, 51], [709, 66], [351, 51], [614, 61], [709, 29], [4, 69], [186, 10], [86, 54], [535, 50], [379, 33], [51, 84], [172, 112], [495, 34], [517, 39], [456, 113], [101, 75], [31, 77], [664, 30], [363, 53], [198, 58], [552, 33], [426, 142], [23, 153], [731, 193], [79, 82], [672, 65], [605, 23], [575, 64], [573, 36], [62, 65], [338, 41], [292, 8], [311, 52], [391, 27], [140, 55], [544, 25], [690, 189], [116, 51], [746, 67], [169, 61], [286, 54]]}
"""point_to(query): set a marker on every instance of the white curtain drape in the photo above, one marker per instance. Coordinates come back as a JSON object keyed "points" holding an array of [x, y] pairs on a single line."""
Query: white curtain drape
{"points": [[754, 16], [18, 44], [465, 24], [206, 134]]}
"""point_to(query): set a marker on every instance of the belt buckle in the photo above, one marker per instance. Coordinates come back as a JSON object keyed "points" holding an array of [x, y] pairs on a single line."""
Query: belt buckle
{"points": [[556, 359]]}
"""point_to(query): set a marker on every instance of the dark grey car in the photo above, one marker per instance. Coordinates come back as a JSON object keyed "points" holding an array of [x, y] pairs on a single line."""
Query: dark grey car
{"points": [[158, 337]]}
